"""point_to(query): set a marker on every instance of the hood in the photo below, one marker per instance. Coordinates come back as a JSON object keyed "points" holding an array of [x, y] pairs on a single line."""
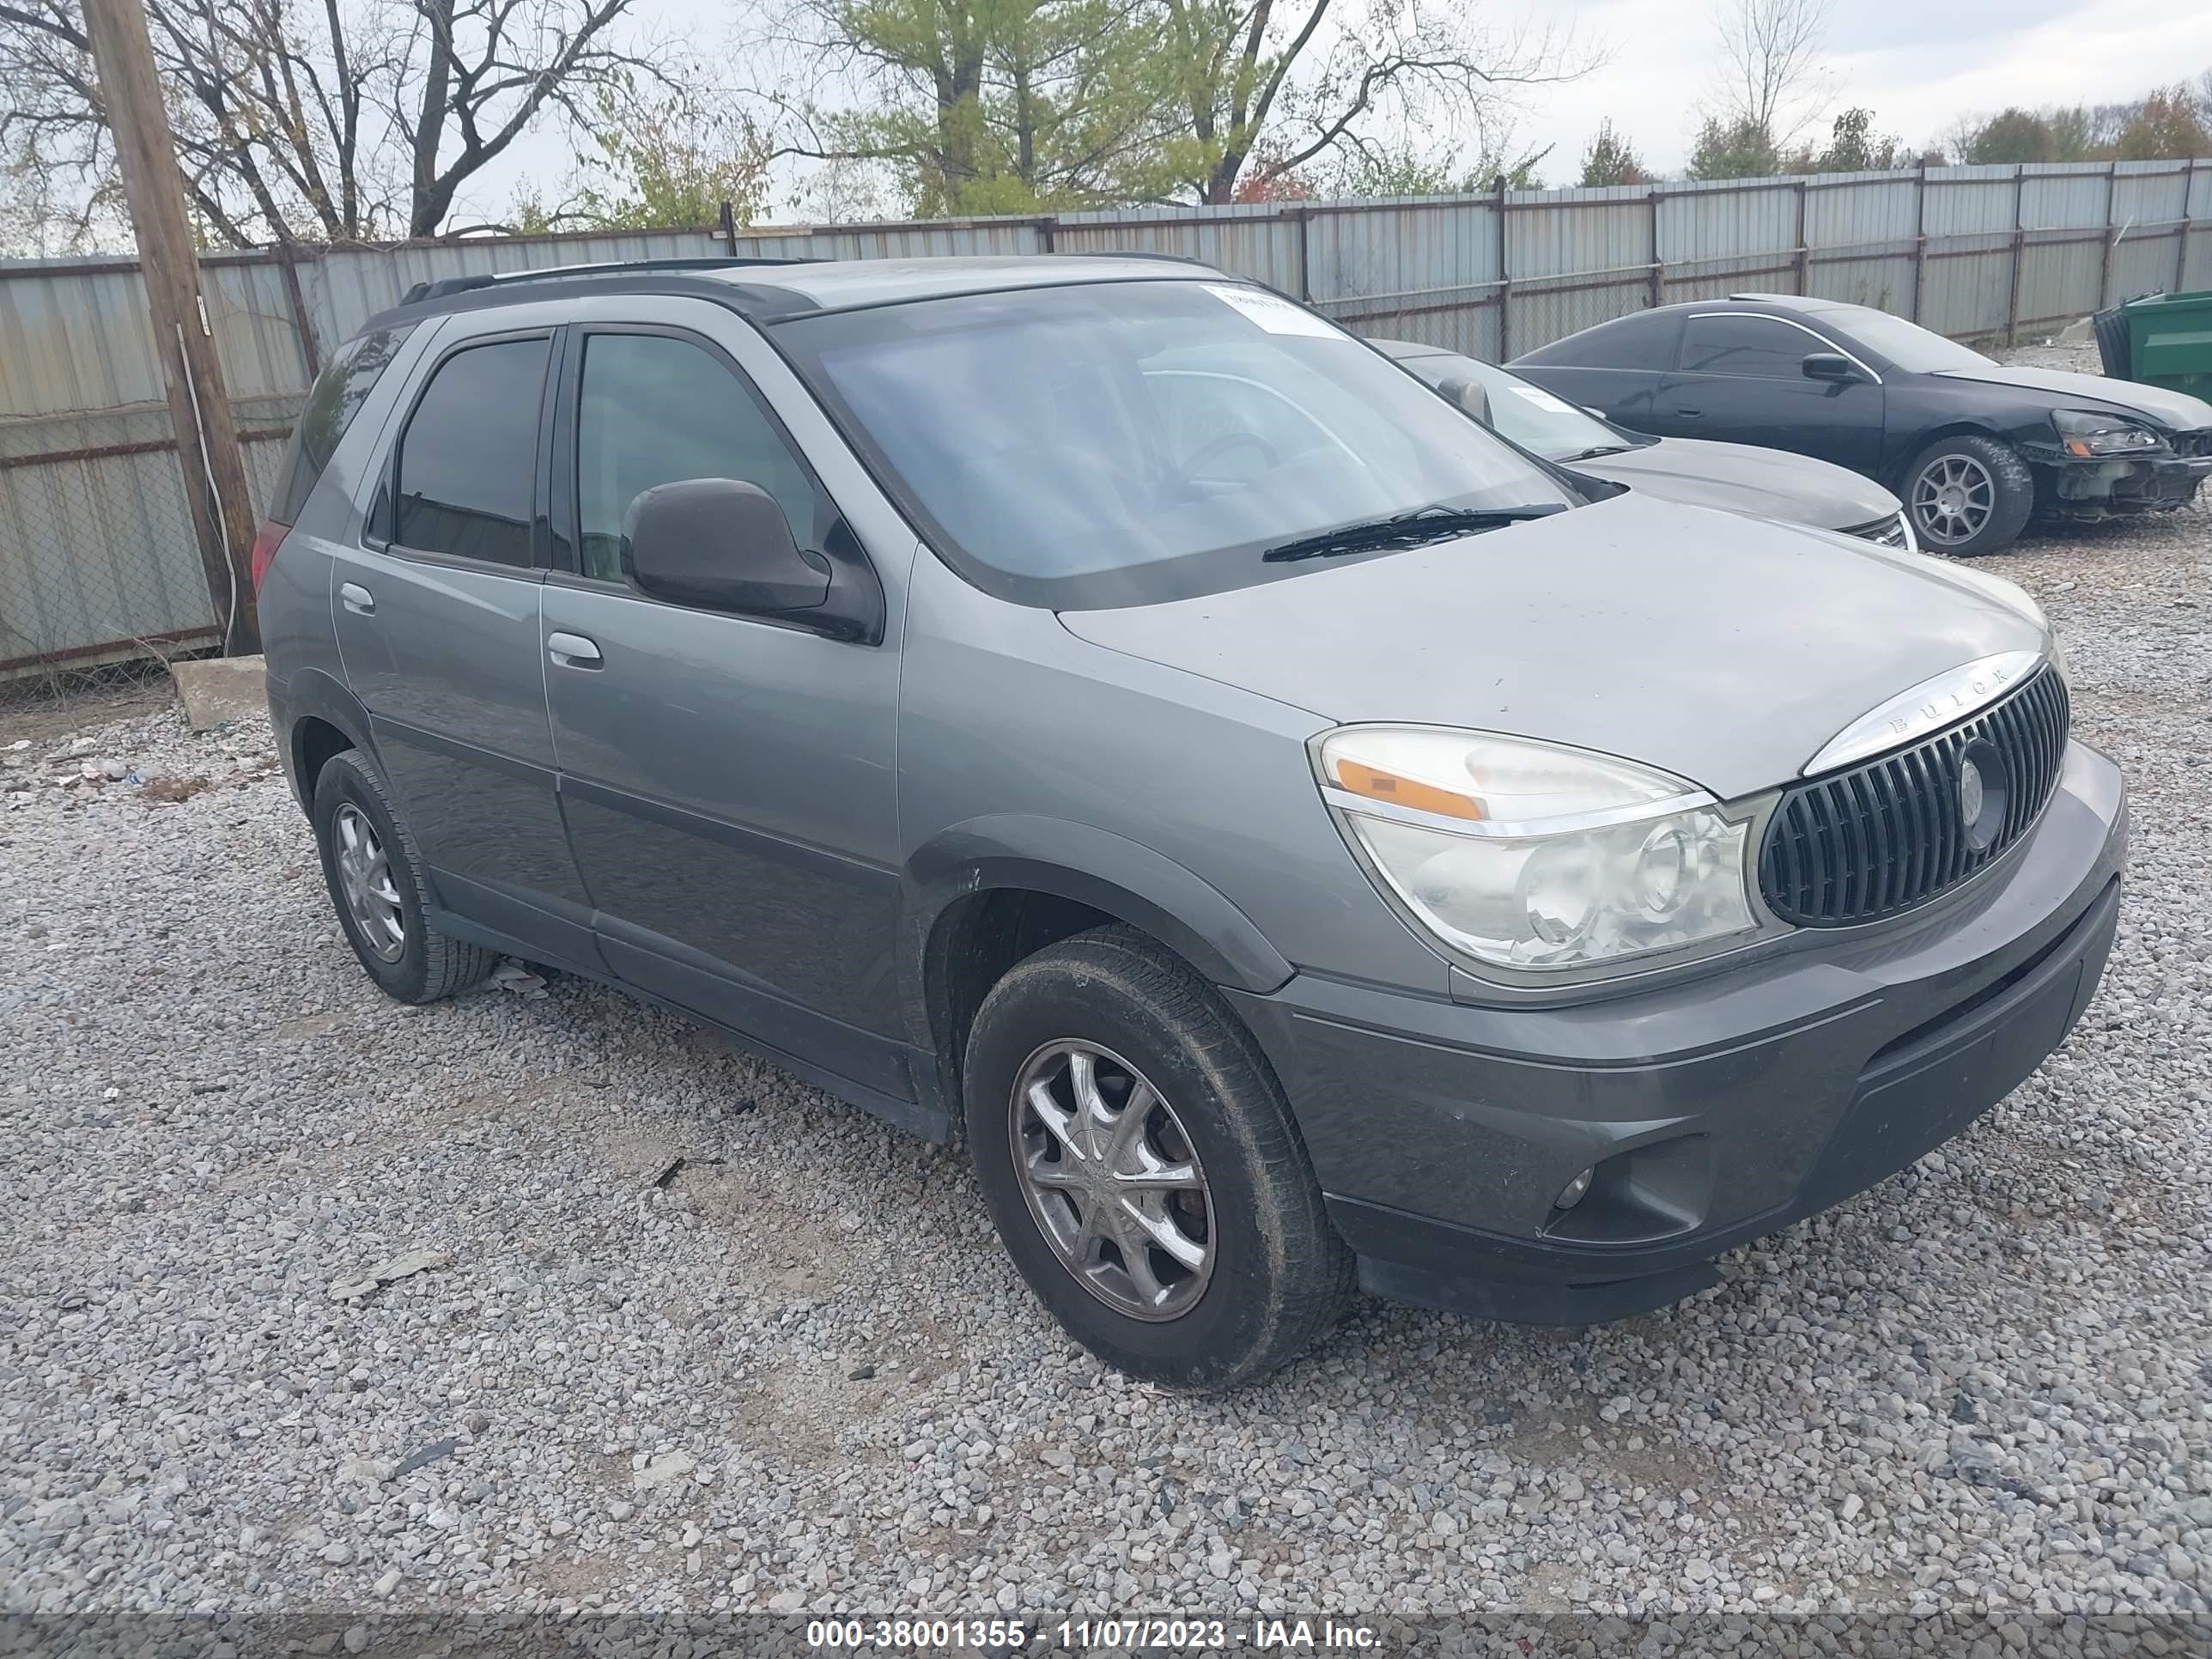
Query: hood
{"points": [[1727, 650], [2177, 409], [1769, 483]]}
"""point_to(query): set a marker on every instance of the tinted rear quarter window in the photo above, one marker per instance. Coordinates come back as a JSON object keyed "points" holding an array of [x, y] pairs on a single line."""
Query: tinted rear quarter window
{"points": [[340, 391], [468, 460], [1645, 341], [1722, 343]]}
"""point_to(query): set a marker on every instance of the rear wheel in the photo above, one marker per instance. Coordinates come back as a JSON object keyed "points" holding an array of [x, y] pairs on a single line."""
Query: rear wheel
{"points": [[1968, 495], [377, 885], [1143, 1169]]}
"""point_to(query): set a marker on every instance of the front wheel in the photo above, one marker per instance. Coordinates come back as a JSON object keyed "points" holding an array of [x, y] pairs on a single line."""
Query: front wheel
{"points": [[1143, 1169], [1968, 495]]}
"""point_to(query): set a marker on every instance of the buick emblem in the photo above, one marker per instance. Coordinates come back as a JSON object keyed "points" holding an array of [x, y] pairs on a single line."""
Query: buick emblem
{"points": [[1970, 794]]}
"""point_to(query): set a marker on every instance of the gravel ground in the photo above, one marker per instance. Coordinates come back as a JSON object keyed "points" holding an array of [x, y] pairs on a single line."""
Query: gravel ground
{"points": [[794, 1370]]}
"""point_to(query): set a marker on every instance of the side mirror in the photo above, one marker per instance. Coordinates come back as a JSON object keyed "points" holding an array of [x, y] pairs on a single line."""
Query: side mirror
{"points": [[720, 544], [1830, 366], [1470, 397]]}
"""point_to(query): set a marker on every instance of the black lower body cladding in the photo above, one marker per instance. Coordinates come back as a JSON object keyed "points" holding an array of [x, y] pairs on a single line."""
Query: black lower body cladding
{"points": [[1452, 1140]]}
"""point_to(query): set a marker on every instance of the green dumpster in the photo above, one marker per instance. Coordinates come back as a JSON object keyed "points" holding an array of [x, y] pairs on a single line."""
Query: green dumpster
{"points": [[2162, 339]]}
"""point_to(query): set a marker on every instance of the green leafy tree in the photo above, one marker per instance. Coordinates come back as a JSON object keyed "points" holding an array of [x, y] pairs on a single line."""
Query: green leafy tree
{"points": [[655, 163], [987, 105], [991, 105], [1855, 147], [2170, 126], [1740, 149], [1610, 160], [2009, 138]]}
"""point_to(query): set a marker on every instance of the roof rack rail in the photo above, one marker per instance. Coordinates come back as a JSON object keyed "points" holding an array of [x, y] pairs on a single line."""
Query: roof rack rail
{"points": [[1152, 253], [449, 285]]}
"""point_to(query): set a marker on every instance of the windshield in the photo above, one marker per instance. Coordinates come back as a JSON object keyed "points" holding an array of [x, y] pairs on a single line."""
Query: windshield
{"points": [[1909, 346], [1123, 443], [1533, 418]]}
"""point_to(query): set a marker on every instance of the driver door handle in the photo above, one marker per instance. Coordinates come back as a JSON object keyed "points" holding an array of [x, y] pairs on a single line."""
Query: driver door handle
{"points": [[1688, 412], [572, 651]]}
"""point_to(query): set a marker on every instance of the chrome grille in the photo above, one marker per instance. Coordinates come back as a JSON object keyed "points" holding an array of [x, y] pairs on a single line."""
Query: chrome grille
{"points": [[1889, 531], [1880, 837]]}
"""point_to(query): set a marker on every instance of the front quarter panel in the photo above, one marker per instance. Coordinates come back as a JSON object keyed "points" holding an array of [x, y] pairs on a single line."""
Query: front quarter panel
{"points": [[1020, 744]]}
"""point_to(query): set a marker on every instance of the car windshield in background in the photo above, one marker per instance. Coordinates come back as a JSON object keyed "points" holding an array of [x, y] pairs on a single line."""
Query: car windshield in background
{"points": [[1124, 443], [1910, 347], [1533, 418]]}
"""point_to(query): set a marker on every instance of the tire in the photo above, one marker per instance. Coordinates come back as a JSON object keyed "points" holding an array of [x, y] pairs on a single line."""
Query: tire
{"points": [[1999, 494], [1274, 1274], [352, 796]]}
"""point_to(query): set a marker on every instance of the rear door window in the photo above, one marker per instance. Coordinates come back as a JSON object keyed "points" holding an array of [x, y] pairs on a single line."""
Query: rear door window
{"points": [[1643, 341], [468, 461], [1722, 343], [340, 391]]}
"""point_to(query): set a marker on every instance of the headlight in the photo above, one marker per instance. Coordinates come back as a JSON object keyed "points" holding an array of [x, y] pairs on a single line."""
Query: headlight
{"points": [[2084, 434], [1534, 856]]}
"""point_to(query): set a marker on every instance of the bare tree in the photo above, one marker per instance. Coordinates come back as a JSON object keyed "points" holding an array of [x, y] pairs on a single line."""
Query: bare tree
{"points": [[1772, 78], [1269, 86], [335, 119]]}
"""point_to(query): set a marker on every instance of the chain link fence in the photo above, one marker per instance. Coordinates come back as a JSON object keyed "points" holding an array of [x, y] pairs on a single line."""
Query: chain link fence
{"points": [[101, 575]]}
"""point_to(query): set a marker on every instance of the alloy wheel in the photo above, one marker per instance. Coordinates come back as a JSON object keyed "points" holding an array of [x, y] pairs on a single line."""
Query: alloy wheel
{"points": [[1112, 1179], [1953, 498], [365, 880]]}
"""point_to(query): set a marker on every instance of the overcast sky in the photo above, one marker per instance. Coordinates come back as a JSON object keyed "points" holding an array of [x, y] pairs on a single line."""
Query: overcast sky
{"points": [[1918, 65]]}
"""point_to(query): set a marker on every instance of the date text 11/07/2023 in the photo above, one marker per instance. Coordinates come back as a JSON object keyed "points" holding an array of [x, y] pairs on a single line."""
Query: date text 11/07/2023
{"points": [[1010, 1636]]}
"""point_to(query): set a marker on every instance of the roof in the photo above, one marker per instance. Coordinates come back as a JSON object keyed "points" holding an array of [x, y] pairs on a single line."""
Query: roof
{"points": [[842, 285], [770, 289], [1796, 302]]}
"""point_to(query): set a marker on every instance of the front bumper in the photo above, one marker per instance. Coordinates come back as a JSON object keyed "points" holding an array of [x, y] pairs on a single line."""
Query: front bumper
{"points": [[1714, 1110], [2100, 489]]}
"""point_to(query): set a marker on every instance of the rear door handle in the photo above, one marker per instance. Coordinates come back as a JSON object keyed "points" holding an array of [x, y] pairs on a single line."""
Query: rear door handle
{"points": [[572, 651], [1686, 412], [357, 599]]}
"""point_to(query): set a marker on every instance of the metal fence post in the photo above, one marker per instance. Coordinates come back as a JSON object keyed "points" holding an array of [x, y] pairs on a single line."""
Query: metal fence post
{"points": [[2105, 253], [1804, 257], [287, 256], [2019, 250], [2181, 254], [1658, 265], [1504, 277], [1304, 217], [1919, 237], [728, 223]]}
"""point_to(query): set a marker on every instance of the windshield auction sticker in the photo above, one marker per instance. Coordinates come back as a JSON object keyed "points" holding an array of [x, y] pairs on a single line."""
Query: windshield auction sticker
{"points": [[1272, 311]]}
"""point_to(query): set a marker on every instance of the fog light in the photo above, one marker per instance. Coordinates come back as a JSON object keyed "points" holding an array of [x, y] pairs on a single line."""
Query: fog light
{"points": [[1572, 1193]]}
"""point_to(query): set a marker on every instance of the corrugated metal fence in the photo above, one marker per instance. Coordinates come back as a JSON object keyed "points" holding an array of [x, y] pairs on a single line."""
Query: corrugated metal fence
{"points": [[97, 559]]}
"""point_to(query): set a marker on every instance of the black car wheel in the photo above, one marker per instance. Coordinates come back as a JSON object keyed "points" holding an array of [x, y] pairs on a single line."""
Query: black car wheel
{"points": [[1968, 495], [377, 885], [1142, 1167]]}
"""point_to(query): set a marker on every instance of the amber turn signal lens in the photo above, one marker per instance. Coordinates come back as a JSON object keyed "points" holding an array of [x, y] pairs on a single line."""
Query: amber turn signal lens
{"points": [[1377, 785]]}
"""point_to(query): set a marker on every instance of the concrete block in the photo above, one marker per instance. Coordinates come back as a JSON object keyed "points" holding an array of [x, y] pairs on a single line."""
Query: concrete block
{"points": [[2082, 331], [216, 689]]}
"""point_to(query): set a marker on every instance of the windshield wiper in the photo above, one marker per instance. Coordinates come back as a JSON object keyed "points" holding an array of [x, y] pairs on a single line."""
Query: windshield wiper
{"points": [[1427, 524], [1594, 451]]}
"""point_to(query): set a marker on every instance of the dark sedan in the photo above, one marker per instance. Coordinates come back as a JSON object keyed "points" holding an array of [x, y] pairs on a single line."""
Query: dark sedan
{"points": [[1767, 483], [1975, 447]]}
